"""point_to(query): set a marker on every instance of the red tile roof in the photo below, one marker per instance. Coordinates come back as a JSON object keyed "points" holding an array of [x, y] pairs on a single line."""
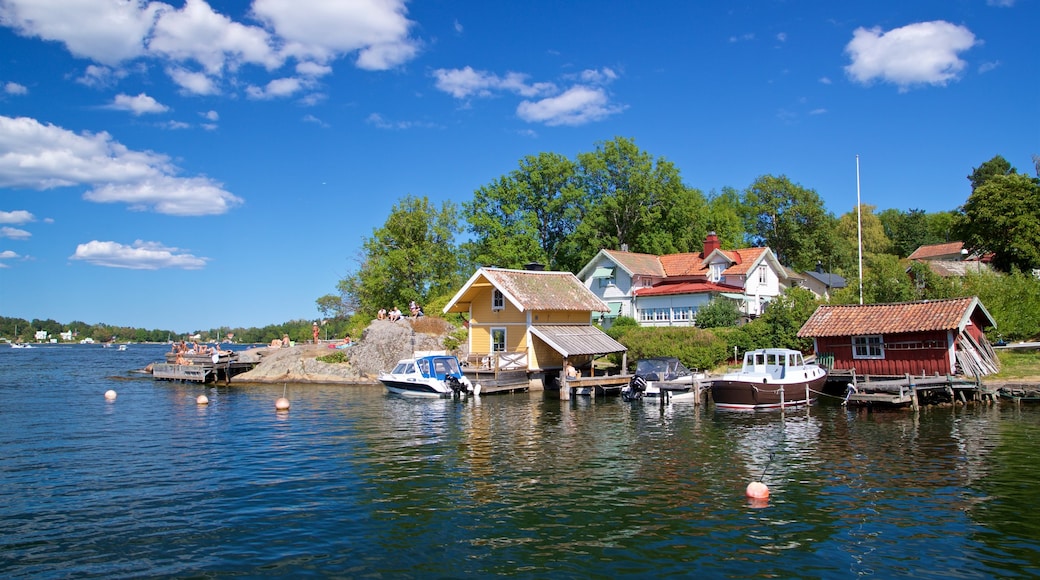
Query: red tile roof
{"points": [[900, 317], [686, 288], [932, 251], [685, 264]]}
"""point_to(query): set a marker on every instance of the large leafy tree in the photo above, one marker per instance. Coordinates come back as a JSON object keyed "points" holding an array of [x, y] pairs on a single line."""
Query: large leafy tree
{"points": [[1002, 217], [525, 216], [724, 217], [637, 201], [992, 168], [789, 219], [412, 257], [852, 226]]}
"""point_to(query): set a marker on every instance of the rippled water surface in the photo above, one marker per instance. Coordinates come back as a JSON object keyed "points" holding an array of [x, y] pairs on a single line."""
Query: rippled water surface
{"points": [[352, 482]]}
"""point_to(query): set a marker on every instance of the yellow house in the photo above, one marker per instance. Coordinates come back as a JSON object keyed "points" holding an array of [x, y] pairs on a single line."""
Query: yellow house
{"points": [[531, 319]]}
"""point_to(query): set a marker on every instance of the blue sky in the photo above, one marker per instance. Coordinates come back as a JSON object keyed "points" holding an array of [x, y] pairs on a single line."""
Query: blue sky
{"points": [[188, 165]]}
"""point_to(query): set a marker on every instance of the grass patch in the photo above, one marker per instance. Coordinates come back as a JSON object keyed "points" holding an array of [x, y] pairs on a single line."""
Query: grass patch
{"points": [[1018, 364], [334, 357]]}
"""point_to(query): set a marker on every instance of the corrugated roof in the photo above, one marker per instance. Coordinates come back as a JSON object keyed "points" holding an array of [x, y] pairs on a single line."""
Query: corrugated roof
{"points": [[540, 290], [900, 317], [573, 340]]}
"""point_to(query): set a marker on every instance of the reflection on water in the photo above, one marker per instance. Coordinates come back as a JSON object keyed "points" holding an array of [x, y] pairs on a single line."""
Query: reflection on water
{"points": [[352, 482]]}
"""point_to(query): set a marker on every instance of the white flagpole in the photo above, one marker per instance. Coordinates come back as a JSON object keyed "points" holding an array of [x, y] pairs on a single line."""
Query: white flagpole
{"points": [[859, 233]]}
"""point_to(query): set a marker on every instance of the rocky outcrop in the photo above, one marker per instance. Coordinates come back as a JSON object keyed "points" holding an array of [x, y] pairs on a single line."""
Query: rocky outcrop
{"points": [[381, 345]]}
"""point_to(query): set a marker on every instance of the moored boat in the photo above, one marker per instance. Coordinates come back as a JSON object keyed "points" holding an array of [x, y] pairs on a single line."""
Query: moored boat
{"points": [[659, 376], [770, 378], [428, 376]]}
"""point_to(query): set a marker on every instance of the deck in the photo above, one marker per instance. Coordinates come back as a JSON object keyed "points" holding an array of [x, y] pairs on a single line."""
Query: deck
{"points": [[915, 391], [200, 368]]}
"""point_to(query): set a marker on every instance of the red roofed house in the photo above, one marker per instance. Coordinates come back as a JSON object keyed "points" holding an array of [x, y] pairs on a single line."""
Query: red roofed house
{"points": [[950, 259], [928, 337], [668, 290]]}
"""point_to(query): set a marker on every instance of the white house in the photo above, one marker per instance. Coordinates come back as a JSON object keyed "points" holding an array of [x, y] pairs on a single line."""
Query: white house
{"points": [[669, 290]]}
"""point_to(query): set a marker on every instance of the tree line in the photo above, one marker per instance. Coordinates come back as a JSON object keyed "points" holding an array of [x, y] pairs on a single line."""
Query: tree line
{"points": [[560, 212]]}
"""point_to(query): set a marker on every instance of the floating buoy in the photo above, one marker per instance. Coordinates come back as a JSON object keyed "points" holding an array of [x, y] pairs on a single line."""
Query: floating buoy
{"points": [[110, 395], [281, 404], [202, 400], [757, 490]]}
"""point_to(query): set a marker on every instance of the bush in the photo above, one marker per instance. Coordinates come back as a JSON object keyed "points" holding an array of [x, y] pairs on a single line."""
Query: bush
{"points": [[334, 357], [695, 347]]}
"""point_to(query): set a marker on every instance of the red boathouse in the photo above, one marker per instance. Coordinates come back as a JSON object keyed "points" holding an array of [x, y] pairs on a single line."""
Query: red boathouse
{"points": [[928, 337]]}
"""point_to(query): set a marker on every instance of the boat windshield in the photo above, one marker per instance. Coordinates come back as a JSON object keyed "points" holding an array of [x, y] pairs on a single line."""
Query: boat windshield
{"points": [[404, 368], [446, 366]]}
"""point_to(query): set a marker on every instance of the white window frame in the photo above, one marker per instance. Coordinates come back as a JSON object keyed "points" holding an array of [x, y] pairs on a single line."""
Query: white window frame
{"points": [[646, 314], [868, 346], [495, 346], [683, 313], [498, 300], [762, 275], [716, 272]]}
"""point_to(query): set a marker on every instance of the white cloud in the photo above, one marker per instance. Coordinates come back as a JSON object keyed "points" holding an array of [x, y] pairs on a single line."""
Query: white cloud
{"points": [[39, 156], [199, 48], [988, 66], [278, 88], [7, 255], [138, 256], [377, 120], [577, 106], [194, 83], [139, 105], [13, 88], [747, 36], [211, 115], [19, 216], [97, 76], [377, 30], [601, 77], [465, 82], [14, 233], [916, 54]]}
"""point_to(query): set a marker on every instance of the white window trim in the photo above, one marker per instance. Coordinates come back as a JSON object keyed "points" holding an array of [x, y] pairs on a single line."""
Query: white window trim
{"points": [[504, 338], [498, 300], [868, 343]]}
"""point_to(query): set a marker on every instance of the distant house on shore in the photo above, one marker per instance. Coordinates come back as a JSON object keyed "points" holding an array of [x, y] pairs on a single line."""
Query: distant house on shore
{"points": [[950, 259], [668, 290], [821, 283], [530, 320], [944, 337]]}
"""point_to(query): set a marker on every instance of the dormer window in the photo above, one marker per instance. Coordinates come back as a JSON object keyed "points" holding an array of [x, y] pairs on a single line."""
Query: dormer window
{"points": [[716, 272], [498, 300]]}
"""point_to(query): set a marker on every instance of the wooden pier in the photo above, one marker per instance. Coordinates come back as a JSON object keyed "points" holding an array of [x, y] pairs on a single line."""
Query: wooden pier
{"points": [[200, 368], [915, 391]]}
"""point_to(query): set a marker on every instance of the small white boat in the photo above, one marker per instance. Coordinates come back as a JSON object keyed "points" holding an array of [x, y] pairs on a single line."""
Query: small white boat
{"points": [[770, 378], [666, 376], [122, 347], [428, 376], [20, 345]]}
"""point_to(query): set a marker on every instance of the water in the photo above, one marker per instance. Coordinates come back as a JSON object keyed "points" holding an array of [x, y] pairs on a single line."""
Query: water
{"points": [[354, 483]]}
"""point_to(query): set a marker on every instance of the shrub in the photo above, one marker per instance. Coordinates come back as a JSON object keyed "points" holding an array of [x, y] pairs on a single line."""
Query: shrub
{"points": [[334, 357], [695, 347]]}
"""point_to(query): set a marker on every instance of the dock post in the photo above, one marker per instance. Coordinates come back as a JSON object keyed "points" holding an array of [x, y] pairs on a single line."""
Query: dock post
{"points": [[565, 389]]}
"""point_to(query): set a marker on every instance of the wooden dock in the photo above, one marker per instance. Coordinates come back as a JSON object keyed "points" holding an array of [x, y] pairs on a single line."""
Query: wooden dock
{"points": [[915, 391], [200, 368]]}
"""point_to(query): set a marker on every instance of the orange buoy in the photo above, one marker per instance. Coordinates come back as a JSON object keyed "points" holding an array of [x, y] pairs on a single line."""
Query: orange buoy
{"points": [[281, 404], [202, 400], [110, 395], [757, 490]]}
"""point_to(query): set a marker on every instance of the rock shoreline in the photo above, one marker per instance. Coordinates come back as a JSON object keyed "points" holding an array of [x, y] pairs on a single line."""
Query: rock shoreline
{"points": [[381, 345]]}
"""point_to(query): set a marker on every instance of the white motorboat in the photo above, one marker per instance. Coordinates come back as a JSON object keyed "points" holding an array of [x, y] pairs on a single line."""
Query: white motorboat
{"points": [[665, 376], [428, 376], [770, 378]]}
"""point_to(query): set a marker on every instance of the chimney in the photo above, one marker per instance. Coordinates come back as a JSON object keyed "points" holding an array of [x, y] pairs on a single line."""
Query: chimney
{"points": [[711, 243], [534, 266], [819, 267]]}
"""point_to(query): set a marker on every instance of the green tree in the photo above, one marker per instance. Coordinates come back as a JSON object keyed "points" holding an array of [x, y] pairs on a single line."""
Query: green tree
{"points": [[1002, 217], [1012, 299], [724, 217], [790, 220], [637, 201], [785, 316], [527, 215], [413, 256], [719, 312], [853, 225], [992, 168]]}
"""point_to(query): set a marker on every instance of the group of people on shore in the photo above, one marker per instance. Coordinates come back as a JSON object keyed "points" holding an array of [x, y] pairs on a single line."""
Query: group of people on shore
{"points": [[183, 350], [395, 314]]}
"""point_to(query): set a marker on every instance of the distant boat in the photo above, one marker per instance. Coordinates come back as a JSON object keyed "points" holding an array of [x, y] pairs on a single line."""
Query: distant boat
{"points": [[20, 345], [770, 378], [122, 347]]}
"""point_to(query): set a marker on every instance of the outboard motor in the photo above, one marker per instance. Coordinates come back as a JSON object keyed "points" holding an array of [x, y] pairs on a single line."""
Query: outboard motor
{"points": [[635, 390], [455, 385]]}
